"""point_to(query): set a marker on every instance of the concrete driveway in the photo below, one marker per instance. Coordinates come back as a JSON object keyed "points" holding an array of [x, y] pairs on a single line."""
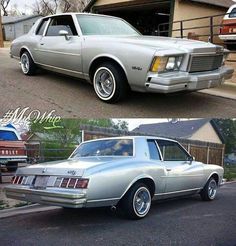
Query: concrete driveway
{"points": [[74, 98], [186, 221]]}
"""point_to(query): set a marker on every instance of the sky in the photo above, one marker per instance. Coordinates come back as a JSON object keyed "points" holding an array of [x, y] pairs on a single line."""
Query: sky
{"points": [[24, 6]]}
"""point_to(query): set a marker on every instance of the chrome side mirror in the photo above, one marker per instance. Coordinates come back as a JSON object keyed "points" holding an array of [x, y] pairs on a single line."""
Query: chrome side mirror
{"points": [[64, 33], [191, 159]]}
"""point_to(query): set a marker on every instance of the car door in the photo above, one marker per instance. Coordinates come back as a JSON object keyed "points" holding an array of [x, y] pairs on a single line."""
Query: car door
{"points": [[183, 173], [58, 51]]}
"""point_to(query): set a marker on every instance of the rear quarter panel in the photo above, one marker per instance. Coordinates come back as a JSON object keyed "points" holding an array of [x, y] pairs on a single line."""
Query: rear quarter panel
{"points": [[107, 182]]}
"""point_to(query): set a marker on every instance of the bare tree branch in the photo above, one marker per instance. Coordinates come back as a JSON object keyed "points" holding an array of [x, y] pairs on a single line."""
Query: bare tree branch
{"points": [[4, 4]]}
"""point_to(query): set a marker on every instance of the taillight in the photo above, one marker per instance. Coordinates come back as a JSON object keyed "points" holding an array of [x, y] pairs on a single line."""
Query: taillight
{"points": [[73, 183], [19, 180], [82, 183]]}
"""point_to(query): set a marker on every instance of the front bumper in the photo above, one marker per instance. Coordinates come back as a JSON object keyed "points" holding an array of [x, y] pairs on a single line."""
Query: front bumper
{"points": [[51, 196], [184, 81]]}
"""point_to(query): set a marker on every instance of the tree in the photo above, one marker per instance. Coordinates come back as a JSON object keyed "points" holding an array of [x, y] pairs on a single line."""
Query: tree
{"points": [[4, 4], [227, 128], [68, 130], [47, 7]]}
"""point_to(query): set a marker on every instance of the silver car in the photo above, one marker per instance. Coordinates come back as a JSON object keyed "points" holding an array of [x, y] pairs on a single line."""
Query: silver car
{"points": [[114, 57], [125, 172]]}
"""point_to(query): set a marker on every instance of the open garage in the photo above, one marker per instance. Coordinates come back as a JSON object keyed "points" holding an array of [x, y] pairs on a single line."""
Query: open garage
{"points": [[145, 15]]}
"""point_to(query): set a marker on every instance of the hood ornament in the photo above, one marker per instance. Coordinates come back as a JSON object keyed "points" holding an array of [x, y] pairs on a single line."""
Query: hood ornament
{"points": [[44, 170]]}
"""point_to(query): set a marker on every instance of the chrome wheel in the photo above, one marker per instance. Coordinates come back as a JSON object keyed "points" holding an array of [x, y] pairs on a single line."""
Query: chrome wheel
{"points": [[104, 83], [142, 201], [212, 187], [25, 63]]}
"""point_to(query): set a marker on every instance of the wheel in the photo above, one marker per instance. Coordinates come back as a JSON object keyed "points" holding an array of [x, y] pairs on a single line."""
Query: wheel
{"points": [[110, 83], [12, 166], [209, 191], [137, 202], [28, 66]]}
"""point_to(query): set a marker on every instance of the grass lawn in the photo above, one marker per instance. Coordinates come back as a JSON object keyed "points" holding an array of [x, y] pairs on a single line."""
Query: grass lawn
{"points": [[230, 172]]}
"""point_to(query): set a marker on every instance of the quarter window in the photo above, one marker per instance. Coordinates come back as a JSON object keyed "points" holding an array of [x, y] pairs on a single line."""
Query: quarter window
{"points": [[172, 151], [59, 23], [41, 27], [153, 150]]}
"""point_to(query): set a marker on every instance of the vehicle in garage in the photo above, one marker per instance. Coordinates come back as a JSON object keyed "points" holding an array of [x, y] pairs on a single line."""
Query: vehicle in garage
{"points": [[128, 172], [12, 148], [115, 57], [228, 28]]}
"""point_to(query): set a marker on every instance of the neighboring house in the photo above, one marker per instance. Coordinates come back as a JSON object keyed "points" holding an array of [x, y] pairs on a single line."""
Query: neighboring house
{"points": [[16, 26], [147, 15], [202, 130]]}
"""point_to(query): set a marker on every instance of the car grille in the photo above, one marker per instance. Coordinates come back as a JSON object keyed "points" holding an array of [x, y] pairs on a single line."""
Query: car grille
{"points": [[205, 63]]}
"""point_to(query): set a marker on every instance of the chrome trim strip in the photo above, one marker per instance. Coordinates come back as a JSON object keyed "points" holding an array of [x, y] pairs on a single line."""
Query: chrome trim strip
{"points": [[63, 69], [173, 192], [57, 52], [103, 200]]}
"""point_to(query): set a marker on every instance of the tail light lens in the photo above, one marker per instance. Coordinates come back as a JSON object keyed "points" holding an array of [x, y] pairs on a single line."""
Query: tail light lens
{"points": [[73, 183]]}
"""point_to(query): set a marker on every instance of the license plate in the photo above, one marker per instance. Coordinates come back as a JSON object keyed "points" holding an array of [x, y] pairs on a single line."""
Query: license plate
{"points": [[41, 182]]}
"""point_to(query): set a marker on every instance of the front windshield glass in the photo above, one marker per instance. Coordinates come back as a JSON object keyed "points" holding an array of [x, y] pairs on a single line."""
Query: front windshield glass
{"points": [[110, 147], [101, 25]]}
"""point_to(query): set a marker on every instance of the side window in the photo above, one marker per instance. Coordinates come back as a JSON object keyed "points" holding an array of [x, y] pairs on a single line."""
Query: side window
{"points": [[59, 23], [172, 151], [41, 27], [153, 150], [233, 13]]}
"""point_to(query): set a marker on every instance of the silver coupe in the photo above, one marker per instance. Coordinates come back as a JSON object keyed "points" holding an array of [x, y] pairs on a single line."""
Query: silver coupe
{"points": [[124, 172], [113, 56]]}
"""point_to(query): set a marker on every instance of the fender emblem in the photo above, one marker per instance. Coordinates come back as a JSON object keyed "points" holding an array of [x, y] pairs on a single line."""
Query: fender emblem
{"points": [[72, 172]]}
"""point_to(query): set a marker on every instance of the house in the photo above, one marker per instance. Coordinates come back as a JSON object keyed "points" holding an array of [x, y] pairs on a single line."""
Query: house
{"points": [[204, 130], [15, 26], [147, 15]]}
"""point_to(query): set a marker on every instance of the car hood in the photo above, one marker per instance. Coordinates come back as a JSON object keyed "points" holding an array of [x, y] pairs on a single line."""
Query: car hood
{"points": [[75, 167], [164, 43]]}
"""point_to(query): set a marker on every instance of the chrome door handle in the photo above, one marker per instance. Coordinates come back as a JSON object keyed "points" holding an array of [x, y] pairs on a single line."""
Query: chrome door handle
{"points": [[41, 43], [168, 169]]}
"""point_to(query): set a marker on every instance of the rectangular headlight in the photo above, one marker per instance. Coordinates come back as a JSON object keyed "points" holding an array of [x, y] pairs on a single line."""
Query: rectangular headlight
{"points": [[174, 63]]}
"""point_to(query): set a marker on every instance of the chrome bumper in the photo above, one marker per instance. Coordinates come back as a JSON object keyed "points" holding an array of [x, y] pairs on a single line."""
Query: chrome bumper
{"points": [[184, 81], [52, 196]]}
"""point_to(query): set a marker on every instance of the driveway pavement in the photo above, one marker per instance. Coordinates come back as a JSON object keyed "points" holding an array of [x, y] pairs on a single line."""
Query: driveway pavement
{"points": [[75, 98], [186, 221]]}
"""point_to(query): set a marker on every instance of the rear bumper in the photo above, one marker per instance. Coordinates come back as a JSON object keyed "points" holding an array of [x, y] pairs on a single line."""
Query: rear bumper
{"points": [[228, 37], [52, 196], [184, 81]]}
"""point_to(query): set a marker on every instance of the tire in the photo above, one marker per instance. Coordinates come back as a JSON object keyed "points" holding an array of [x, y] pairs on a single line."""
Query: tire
{"points": [[12, 166], [110, 83], [134, 208], [231, 46], [28, 66], [209, 191]]}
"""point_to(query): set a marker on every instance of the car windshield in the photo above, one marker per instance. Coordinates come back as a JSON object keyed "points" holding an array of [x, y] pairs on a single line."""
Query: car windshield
{"points": [[111, 147], [101, 25]]}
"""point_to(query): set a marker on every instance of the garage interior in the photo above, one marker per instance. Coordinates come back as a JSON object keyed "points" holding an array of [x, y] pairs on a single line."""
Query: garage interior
{"points": [[145, 16]]}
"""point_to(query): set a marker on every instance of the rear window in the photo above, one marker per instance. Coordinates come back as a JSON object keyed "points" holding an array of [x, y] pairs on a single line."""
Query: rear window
{"points": [[108, 147], [8, 136], [233, 13]]}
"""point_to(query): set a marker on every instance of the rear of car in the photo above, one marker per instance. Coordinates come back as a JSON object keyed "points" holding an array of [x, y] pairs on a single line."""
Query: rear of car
{"points": [[228, 28], [12, 148]]}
